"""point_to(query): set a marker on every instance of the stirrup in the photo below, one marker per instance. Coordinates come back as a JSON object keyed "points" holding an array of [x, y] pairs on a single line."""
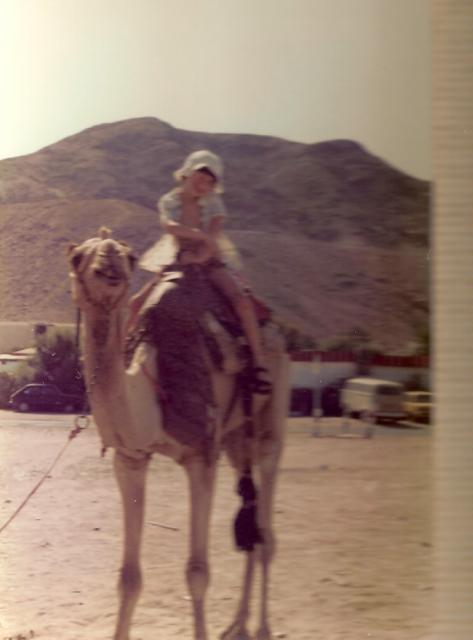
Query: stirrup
{"points": [[261, 387]]}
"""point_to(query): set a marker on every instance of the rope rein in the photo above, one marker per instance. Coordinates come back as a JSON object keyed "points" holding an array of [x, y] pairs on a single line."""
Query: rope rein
{"points": [[81, 422], [74, 432]]}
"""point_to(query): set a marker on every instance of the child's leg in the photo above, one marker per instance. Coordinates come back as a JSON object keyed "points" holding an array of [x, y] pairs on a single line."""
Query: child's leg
{"points": [[199, 255], [241, 302]]}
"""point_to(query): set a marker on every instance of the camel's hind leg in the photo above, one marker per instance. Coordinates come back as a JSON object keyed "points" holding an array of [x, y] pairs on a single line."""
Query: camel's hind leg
{"points": [[263, 554], [265, 551], [270, 453], [201, 478], [238, 629], [130, 474], [273, 421]]}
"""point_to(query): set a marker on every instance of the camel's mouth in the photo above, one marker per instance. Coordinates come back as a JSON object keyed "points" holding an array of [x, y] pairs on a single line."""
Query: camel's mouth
{"points": [[112, 278]]}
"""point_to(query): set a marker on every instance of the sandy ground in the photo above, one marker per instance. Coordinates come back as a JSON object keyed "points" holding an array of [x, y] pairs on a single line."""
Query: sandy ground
{"points": [[352, 519]]}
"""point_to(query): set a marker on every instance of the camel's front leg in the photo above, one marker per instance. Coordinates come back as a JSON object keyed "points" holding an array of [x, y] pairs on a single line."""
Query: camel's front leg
{"points": [[131, 475], [201, 478]]}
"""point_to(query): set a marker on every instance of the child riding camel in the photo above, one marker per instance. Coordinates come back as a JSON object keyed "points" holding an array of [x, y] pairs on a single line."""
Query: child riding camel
{"points": [[192, 216]]}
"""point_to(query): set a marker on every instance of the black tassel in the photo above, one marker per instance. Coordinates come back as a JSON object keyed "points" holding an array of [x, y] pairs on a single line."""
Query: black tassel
{"points": [[246, 488], [246, 530]]}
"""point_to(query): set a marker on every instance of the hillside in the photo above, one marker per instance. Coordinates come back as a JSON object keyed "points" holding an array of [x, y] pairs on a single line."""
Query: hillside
{"points": [[334, 237]]}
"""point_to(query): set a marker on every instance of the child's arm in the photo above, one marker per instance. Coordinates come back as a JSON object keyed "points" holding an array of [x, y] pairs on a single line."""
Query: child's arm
{"points": [[215, 225], [215, 221], [170, 209], [182, 231]]}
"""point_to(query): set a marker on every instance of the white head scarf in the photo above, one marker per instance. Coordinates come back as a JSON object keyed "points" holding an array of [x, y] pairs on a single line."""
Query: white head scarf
{"points": [[202, 159]]}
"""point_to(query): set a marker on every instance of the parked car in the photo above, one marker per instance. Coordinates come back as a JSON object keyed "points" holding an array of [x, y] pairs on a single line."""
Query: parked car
{"points": [[330, 400], [44, 397], [304, 400], [418, 405], [301, 402], [382, 399]]}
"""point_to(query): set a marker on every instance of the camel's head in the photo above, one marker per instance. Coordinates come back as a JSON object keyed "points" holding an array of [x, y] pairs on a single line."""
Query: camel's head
{"points": [[100, 270]]}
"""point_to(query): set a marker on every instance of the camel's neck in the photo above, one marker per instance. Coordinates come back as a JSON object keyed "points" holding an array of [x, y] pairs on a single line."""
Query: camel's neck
{"points": [[103, 347]]}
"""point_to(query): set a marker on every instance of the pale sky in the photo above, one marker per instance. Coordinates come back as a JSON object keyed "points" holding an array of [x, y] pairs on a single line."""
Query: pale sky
{"points": [[304, 70]]}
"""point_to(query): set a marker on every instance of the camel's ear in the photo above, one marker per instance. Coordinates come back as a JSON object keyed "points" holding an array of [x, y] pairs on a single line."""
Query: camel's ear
{"points": [[75, 257], [131, 256]]}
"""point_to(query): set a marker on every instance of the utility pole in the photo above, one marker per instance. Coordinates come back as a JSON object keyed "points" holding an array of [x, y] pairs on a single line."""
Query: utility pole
{"points": [[316, 370]]}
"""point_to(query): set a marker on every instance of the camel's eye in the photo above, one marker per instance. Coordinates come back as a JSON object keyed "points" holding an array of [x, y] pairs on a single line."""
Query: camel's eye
{"points": [[132, 259]]}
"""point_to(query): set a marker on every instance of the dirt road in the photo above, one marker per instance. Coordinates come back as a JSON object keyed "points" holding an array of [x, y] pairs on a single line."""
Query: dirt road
{"points": [[352, 519]]}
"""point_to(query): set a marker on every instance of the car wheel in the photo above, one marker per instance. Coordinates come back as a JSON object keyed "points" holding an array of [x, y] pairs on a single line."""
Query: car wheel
{"points": [[23, 407]]}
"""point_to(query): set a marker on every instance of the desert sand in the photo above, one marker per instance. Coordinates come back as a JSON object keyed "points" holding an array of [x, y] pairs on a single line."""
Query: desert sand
{"points": [[352, 519]]}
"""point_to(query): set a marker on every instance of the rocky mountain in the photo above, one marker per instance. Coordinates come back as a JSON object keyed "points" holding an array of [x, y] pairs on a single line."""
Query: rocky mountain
{"points": [[333, 237]]}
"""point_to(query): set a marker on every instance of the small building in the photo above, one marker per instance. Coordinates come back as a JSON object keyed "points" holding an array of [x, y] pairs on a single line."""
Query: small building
{"points": [[316, 369], [11, 362], [17, 335]]}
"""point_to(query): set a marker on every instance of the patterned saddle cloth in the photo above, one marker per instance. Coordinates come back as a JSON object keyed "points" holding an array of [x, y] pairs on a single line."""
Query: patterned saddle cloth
{"points": [[187, 320]]}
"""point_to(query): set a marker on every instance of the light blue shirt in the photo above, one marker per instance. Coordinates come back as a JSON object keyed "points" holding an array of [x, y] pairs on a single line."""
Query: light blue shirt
{"points": [[170, 207]]}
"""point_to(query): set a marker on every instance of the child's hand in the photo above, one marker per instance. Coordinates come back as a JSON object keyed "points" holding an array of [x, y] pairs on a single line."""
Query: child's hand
{"points": [[196, 256], [209, 244]]}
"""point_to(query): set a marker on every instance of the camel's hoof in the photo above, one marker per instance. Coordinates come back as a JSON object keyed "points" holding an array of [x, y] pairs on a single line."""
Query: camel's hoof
{"points": [[263, 634], [236, 631]]}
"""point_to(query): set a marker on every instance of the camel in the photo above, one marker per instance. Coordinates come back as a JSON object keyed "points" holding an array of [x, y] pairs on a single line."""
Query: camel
{"points": [[125, 404]]}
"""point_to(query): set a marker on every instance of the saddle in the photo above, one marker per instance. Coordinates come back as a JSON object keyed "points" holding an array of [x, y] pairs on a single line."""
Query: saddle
{"points": [[186, 320]]}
